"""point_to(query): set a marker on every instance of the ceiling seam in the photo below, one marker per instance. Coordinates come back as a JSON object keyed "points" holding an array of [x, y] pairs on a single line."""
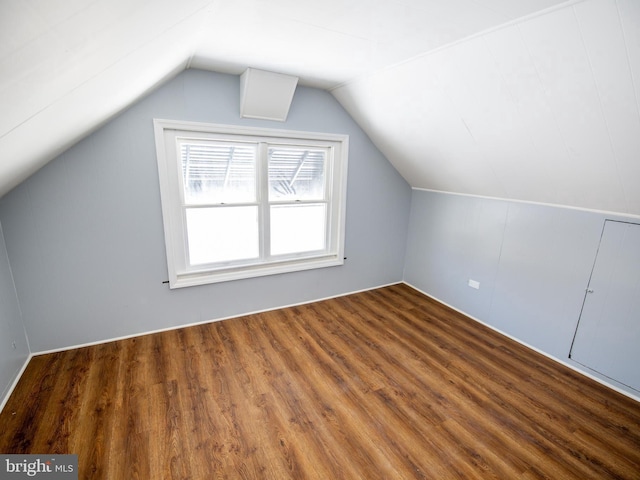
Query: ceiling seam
{"points": [[535, 149], [442, 86], [515, 21], [566, 149], [207, 11], [616, 160], [634, 83], [105, 69], [51, 28]]}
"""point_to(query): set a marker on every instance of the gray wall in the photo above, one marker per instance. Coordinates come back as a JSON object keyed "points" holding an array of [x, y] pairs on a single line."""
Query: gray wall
{"points": [[533, 263], [85, 238], [85, 242], [11, 327]]}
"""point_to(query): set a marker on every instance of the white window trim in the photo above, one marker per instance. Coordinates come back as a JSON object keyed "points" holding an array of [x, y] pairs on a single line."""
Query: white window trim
{"points": [[170, 179]]}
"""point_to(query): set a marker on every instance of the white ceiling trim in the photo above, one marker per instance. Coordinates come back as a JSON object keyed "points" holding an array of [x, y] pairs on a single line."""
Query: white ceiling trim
{"points": [[530, 202]]}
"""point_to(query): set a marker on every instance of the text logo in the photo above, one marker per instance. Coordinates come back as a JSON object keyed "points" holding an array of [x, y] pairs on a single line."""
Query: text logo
{"points": [[52, 467]]}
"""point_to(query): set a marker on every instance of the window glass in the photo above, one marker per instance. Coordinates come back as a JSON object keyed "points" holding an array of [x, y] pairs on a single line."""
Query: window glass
{"points": [[216, 172], [298, 228], [222, 234], [296, 173]]}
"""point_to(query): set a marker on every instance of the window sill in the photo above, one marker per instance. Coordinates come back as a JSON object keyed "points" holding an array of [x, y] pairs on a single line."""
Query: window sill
{"points": [[190, 279]]}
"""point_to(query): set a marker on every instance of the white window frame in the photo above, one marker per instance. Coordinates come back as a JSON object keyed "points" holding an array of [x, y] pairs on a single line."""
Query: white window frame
{"points": [[181, 274]]}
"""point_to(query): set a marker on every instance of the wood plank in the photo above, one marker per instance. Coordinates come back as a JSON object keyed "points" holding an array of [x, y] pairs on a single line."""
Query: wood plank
{"points": [[381, 384]]}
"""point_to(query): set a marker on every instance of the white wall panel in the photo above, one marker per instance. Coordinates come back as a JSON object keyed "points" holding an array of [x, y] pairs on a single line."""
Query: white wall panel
{"points": [[544, 155], [423, 134], [22, 21], [495, 122], [259, 34], [629, 12], [464, 146], [80, 49], [604, 40], [54, 129], [557, 50], [453, 159], [539, 110]]}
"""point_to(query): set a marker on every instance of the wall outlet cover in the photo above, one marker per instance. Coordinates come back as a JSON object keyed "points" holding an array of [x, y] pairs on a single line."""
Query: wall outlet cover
{"points": [[474, 284]]}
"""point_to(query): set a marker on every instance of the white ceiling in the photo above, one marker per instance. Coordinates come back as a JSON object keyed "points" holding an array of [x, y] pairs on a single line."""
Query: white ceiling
{"points": [[529, 99]]}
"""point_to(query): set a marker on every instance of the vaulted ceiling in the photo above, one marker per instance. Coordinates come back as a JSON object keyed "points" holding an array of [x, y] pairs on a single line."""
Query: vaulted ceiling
{"points": [[533, 100]]}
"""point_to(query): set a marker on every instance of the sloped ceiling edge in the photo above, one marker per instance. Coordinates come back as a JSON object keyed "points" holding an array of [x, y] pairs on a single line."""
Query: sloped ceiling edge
{"points": [[543, 110]]}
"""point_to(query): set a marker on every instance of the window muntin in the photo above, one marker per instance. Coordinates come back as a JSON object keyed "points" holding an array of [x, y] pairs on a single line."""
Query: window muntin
{"points": [[243, 202], [217, 172], [297, 173]]}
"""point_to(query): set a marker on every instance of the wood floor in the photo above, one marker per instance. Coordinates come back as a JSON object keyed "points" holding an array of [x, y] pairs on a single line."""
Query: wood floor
{"points": [[385, 384]]}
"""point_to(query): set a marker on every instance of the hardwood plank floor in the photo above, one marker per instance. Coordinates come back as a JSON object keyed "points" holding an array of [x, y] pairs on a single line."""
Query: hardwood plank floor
{"points": [[385, 384]]}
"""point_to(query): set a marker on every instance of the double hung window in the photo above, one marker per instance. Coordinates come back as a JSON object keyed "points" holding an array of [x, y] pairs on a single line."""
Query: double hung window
{"points": [[241, 202]]}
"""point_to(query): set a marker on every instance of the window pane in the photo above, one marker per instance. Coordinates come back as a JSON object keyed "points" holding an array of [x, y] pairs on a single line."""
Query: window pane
{"points": [[218, 172], [298, 228], [296, 173], [222, 234]]}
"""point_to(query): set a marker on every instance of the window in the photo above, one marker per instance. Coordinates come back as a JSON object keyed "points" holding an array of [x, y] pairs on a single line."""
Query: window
{"points": [[241, 202]]}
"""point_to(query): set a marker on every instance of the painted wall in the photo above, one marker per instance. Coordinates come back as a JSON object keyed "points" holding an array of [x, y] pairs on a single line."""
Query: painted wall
{"points": [[533, 263], [14, 350], [85, 234]]}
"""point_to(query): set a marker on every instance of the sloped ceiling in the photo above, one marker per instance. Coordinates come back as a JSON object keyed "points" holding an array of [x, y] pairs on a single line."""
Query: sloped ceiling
{"points": [[543, 109], [530, 99]]}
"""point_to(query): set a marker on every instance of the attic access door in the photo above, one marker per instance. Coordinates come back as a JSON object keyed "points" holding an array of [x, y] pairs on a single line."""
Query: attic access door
{"points": [[607, 338]]}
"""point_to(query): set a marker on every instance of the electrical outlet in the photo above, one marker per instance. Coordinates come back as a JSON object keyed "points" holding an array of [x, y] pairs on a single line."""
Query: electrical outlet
{"points": [[474, 284]]}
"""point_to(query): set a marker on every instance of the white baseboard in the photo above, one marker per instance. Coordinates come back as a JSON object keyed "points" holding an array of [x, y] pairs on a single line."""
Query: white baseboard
{"points": [[12, 387], [575, 368], [561, 361], [9, 391], [176, 327]]}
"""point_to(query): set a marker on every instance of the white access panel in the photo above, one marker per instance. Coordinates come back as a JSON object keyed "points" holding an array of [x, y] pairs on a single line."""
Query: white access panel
{"points": [[607, 338]]}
